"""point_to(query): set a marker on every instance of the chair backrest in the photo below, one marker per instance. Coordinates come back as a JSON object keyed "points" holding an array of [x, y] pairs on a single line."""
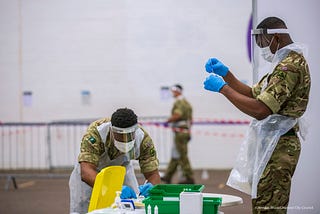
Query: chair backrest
{"points": [[108, 181]]}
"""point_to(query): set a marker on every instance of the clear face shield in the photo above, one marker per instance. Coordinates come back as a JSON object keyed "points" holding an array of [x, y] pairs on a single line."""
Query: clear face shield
{"points": [[261, 53], [124, 138]]}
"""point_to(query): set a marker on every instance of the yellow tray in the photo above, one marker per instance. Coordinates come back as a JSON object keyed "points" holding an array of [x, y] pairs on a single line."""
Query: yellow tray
{"points": [[108, 181]]}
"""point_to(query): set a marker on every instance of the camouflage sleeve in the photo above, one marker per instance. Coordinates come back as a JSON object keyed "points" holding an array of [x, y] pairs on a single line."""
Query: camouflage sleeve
{"points": [[177, 108], [280, 86], [148, 160], [256, 89], [91, 145]]}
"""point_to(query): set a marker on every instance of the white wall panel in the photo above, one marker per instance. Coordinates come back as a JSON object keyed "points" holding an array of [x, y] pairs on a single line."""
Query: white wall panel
{"points": [[120, 51]]}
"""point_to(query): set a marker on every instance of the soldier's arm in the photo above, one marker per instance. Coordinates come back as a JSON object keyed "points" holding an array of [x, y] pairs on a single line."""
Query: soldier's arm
{"points": [[176, 114], [238, 85], [90, 150], [148, 160], [153, 177], [174, 117], [88, 173], [247, 105]]}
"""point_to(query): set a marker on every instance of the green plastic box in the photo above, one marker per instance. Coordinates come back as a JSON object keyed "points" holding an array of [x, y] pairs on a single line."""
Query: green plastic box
{"points": [[166, 197], [210, 205]]}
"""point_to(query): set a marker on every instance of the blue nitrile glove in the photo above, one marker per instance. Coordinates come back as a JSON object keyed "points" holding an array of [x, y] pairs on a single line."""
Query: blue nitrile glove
{"points": [[214, 83], [144, 189], [127, 192], [213, 65]]}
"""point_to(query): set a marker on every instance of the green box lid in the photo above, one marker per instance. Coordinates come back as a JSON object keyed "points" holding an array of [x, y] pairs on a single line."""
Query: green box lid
{"points": [[174, 190]]}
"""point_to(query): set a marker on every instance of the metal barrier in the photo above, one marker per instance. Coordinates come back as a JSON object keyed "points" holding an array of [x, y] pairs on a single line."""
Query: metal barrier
{"points": [[57, 144], [45, 146], [23, 146], [63, 142]]}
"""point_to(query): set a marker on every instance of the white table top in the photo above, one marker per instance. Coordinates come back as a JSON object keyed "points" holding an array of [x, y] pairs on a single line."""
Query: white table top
{"points": [[227, 200]]}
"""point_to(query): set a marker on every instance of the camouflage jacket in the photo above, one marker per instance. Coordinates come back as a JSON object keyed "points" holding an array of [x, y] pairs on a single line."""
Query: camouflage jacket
{"points": [[93, 146], [183, 108], [286, 90]]}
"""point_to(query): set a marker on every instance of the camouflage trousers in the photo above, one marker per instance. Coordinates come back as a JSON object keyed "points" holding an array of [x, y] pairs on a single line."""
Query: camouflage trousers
{"points": [[181, 141], [274, 185]]}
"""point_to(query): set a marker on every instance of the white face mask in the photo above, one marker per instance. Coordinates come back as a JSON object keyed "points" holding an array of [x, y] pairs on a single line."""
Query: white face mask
{"points": [[124, 147], [267, 54]]}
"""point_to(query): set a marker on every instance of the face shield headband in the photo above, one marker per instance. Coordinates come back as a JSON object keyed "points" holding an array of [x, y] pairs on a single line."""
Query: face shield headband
{"points": [[175, 88], [124, 134], [264, 32], [269, 31]]}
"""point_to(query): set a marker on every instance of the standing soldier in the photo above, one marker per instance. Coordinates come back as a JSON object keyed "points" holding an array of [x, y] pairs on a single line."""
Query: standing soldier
{"points": [[276, 103], [181, 119]]}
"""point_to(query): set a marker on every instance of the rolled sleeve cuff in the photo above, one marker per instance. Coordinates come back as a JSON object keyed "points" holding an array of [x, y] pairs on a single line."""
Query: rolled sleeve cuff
{"points": [[88, 157], [270, 101]]}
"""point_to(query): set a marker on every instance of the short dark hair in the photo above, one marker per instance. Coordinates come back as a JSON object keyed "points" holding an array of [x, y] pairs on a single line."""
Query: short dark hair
{"points": [[272, 23], [123, 118]]}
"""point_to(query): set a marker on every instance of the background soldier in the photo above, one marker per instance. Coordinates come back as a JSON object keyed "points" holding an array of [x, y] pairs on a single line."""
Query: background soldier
{"points": [[181, 119]]}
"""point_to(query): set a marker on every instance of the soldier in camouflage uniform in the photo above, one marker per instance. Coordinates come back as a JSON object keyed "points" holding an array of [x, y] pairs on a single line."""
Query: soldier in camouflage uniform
{"points": [[112, 142], [284, 92], [181, 119]]}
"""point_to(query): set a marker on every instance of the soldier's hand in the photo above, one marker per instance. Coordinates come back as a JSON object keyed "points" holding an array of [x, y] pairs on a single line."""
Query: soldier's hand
{"points": [[144, 189], [214, 83], [213, 65], [127, 192], [166, 124]]}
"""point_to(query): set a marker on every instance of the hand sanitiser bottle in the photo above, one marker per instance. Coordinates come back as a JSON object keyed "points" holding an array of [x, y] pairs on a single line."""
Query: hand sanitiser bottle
{"points": [[117, 200]]}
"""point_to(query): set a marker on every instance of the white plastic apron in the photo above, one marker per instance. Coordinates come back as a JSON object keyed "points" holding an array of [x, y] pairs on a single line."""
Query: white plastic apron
{"points": [[80, 192], [256, 151]]}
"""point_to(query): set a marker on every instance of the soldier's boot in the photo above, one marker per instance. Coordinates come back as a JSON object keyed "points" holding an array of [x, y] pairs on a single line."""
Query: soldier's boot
{"points": [[187, 181], [166, 180]]}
